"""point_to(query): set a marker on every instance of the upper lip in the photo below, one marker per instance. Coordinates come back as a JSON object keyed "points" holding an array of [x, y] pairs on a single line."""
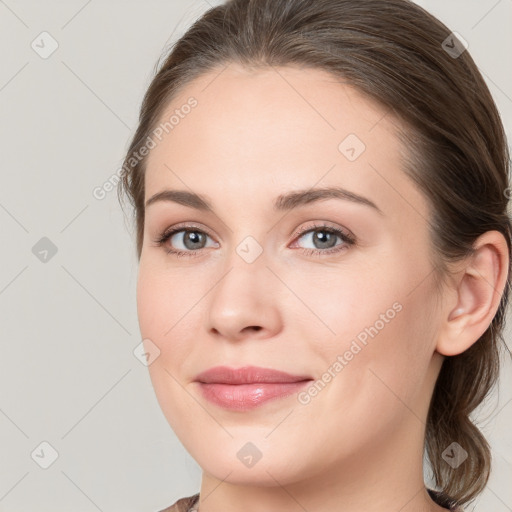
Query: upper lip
{"points": [[246, 375]]}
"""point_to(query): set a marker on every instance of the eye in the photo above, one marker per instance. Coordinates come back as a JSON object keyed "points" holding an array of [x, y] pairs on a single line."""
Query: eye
{"points": [[191, 238], [324, 238]]}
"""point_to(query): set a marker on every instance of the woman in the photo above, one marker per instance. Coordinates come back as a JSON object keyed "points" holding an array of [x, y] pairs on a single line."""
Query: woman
{"points": [[320, 197]]}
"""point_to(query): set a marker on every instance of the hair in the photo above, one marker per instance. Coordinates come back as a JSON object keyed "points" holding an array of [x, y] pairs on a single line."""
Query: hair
{"points": [[392, 51]]}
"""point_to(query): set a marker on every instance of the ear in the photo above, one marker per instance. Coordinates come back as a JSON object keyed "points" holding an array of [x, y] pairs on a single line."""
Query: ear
{"points": [[478, 289]]}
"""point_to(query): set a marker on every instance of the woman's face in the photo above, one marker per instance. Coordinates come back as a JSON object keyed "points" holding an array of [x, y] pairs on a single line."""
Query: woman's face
{"points": [[266, 281]]}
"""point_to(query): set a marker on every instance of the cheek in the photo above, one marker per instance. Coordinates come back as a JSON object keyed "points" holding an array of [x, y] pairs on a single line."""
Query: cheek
{"points": [[162, 316], [165, 303], [168, 305], [340, 304], [373, 330]]}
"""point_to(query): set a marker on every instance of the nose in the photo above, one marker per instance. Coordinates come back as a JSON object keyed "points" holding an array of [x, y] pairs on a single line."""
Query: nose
{"points": [[241, 304]]}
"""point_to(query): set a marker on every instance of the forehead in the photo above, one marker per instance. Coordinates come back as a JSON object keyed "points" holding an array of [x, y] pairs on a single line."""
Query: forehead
{"points": [[272, 129]]}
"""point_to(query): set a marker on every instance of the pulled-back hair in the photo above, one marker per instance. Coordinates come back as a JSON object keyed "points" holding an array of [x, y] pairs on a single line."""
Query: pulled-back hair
{"points": [[394, 52]]}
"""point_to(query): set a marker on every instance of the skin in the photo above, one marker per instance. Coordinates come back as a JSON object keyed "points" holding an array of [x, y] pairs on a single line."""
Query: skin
{"points": [[358, 444]]}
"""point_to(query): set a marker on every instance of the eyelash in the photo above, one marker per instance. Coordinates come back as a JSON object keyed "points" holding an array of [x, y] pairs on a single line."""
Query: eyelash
{"points": [[348, 240]]}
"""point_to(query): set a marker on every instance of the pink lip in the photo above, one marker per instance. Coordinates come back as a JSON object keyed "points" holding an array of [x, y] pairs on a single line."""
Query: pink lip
{"points": [[248, 387]]}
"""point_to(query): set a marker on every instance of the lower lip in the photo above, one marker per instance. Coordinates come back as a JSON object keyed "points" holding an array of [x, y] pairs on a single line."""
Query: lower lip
{"points": [[243, 397]]}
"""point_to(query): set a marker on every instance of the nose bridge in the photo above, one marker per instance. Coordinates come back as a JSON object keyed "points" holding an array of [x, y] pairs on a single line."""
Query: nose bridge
{"points": [[246, 242], [245, 268]]}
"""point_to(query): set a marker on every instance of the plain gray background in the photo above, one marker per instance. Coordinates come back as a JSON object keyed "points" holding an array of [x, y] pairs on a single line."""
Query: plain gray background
{"points": [[68, 373]]}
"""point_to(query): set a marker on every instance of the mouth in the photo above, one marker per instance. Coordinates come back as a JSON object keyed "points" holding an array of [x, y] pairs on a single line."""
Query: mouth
{"points": [[245, 388]]}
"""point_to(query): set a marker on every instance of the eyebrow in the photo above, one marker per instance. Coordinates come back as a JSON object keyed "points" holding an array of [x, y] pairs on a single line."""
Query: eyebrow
{"points": [[284, 202]]}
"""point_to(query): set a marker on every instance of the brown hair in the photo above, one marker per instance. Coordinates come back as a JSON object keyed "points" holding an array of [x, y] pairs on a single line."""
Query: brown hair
{"points": [[398, 54]]}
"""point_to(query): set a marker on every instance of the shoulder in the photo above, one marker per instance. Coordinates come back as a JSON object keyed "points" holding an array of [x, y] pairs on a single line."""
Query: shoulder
{"points": [[182, 505]]}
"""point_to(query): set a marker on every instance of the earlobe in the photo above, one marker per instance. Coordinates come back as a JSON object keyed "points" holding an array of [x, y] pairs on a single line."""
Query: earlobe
{"points": [[479, 288]]}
